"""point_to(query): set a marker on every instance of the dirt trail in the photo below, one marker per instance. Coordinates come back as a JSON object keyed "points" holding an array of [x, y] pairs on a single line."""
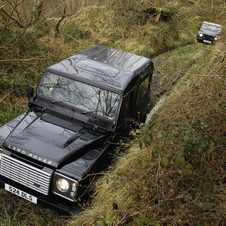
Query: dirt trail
{"points": [[156, 90]]}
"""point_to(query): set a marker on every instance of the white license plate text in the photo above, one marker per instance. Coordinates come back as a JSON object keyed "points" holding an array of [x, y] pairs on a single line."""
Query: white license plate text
{"points": [[20, 193]]}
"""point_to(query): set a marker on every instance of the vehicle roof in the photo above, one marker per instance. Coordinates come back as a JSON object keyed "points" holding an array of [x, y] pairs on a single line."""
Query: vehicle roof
{"points": [[103, 66], [212, 23]]}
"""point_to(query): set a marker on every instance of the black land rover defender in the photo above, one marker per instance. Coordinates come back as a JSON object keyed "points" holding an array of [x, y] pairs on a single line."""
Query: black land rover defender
{"points": [[209, 33], [80, 108]]}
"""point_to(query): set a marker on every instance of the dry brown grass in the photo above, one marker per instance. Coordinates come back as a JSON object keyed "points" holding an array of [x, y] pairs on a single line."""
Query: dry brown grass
{"points": [[148, 189]]}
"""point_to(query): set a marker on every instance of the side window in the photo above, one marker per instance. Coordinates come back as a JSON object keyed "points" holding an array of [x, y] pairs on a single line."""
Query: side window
{"points": [[142, 89], [132, 89], [133, 99], [125, 108], [145, 71]]}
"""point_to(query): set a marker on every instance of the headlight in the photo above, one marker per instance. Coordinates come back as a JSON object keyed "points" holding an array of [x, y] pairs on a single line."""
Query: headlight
{"points": [[62, 185], [216, 38], [200, 34]]}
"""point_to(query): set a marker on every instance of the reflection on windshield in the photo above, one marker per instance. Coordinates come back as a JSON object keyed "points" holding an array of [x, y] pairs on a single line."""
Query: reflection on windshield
{"points": [[80, 95], [211, 27]]}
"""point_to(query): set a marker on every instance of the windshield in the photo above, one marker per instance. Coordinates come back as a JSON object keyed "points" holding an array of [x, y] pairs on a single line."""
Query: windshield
{"points": [[79, 95], [211, 27]]}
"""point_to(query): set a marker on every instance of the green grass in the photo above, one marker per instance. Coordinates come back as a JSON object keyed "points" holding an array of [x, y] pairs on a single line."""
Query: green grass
{"points": [[10, 221], [173, 172], [10, 111]]}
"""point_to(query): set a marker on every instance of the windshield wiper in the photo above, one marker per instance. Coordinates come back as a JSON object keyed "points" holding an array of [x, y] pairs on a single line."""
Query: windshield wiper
{"points": [[87, 112], [59, 101]]}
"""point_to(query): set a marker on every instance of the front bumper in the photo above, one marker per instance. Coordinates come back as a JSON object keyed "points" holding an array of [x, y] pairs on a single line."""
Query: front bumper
{"points": [[204, 39], [51, 201]]}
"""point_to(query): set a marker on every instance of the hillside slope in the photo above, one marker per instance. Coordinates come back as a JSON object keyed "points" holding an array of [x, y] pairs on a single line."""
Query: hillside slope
{"points": [[174, 172]]}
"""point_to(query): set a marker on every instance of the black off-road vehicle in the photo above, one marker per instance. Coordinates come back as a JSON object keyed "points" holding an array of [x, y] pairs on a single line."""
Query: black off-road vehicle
{"points": [[80, 108], [209, 33]]}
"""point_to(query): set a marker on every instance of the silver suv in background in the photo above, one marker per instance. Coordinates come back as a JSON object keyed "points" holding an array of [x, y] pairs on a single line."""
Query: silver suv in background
{"points": [[209, 32]]}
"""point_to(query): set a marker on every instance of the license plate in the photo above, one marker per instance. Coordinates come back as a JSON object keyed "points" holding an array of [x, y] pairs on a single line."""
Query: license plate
{"points": [[20, 193], [207, 41]]}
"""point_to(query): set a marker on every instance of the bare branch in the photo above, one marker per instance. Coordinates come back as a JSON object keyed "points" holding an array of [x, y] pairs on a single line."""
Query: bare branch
{"points": [[4, 5], [21, 60], [62, 18], [13, 18], [10, 16], [50, 12]]}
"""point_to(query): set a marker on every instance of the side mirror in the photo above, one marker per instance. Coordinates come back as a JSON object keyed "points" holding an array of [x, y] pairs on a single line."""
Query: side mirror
{"points": [[30, 92], [126, 124], [199, 27]]}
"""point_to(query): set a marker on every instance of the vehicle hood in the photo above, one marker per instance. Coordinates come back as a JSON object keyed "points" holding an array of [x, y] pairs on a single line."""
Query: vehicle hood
{"points": [[208, 32], [52, 140]]}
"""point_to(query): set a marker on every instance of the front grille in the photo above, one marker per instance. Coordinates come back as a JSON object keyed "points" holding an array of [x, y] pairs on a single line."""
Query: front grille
{"points": [[207, 37], [25, 174]]}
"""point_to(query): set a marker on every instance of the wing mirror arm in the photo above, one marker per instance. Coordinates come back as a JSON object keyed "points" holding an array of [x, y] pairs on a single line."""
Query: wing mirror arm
{"points": [[30, 92]]}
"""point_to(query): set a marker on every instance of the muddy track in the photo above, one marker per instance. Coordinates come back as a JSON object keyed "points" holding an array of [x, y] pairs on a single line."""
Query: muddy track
{"points": [[159, 58], [158, 89]]}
